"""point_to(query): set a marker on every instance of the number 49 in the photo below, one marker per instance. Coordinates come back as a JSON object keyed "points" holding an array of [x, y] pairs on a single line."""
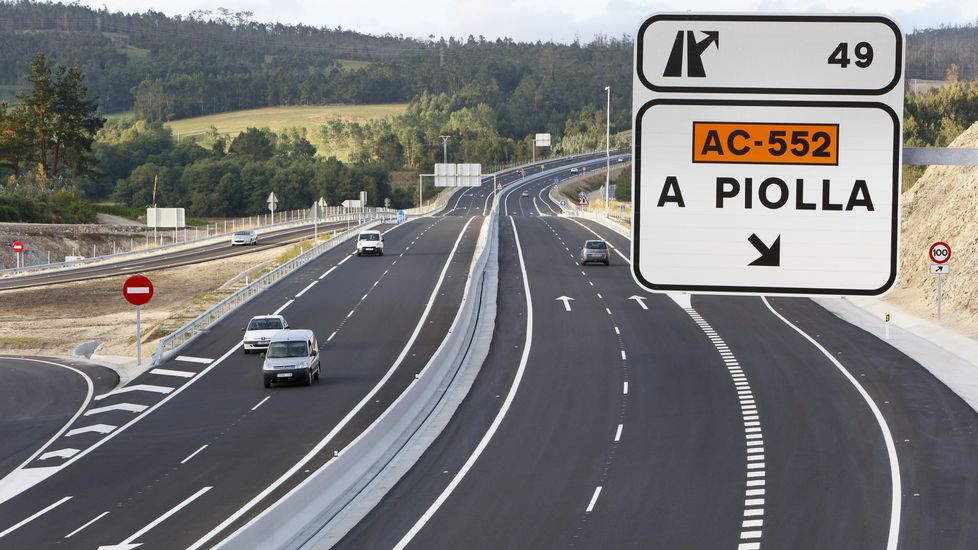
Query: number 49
{"points": [[863, 52]]}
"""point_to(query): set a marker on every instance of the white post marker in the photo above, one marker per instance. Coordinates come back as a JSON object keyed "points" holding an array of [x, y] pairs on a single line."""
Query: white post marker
{"points": [[272, 202], [138, 291], [767, 153]]}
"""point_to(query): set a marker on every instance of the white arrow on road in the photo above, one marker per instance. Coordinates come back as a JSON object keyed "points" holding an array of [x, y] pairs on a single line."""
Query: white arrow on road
{"points": [[128, 544], [640, 300], [567, 300], [60, 453], [128, 407], [138, 387], [97, 428]]}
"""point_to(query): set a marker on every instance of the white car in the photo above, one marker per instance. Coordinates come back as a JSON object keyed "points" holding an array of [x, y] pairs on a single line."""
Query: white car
{"points": [[574, 170], [260, 331], [245, 236], [293, 356], [370, 242]]}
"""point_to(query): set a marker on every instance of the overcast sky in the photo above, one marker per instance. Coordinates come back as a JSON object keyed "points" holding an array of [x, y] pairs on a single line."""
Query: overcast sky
{"points": [[557, 20]]}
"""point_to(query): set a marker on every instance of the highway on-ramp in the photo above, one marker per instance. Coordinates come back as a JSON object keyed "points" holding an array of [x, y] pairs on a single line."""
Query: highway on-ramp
{"points": [[606, 417]]}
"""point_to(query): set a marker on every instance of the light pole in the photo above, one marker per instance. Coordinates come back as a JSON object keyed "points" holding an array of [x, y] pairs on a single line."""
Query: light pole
{"points": [[607, 151], [444, 145], [420, 193]]}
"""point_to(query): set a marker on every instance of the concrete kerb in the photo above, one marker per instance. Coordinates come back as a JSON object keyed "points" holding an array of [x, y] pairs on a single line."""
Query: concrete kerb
{"points": [[323, 500]]}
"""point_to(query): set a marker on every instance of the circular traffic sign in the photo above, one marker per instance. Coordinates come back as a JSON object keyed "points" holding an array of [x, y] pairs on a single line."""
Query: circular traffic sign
{"points": [[940, 252], [18, 247], [137, 290]]}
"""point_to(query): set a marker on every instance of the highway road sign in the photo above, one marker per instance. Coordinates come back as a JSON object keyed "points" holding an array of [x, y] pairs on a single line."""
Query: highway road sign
{"points": [[137, 290], [792, 189], [940, 252], [563, 202], [18, 247], [940, 269]]}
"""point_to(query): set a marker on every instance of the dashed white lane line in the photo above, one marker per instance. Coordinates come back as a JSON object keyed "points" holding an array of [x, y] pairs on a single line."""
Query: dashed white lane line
{"points": [[348, 315], [339, 263], [618, 432], [128, 407], [331, 336], [260, 403], [189, 359], [330, 270], [76, 531], [622, 355], [94, 428], [177, 373], [617, 331], [281, 309], [625, 389], [594, 499], [303, 291], [25, 521], [138, 387], [753, 435], [608, 310], [193, 454]]}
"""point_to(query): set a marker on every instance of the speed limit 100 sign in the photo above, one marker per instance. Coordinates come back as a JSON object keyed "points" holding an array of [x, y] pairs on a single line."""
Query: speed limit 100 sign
{"points": [[940, 252]]}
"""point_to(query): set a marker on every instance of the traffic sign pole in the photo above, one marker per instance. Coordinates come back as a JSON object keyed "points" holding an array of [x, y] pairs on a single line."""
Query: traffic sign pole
{"points": [[139, 338], [138, 290]]}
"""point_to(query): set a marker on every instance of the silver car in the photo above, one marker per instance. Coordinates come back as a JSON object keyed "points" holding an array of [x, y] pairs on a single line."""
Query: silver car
{"points": [[595, 251], [292, 356], [245, 236]]}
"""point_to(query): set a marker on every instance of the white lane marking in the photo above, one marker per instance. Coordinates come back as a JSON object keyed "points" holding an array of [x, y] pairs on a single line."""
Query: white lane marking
{"points": [[177, 373], [352, 413], [500, 415], [193, 454], [365, 296], [94, 428], [281, 309], [138, 387], [330, 270], [599, 296], [348, 315], [303, 291], [622, 355], [8, 490], [608, 310], [76, 531], [749, 546], [567, 300], [261, 402], [618, 432], [331, 336], [539, 213], [60, 453], [640, 300], [625, 389], [24, 522], [752, 523], [895, 485], [594, 499], [129, 541], [189, 359], [339, 263], [617, 331], [128, 407]]}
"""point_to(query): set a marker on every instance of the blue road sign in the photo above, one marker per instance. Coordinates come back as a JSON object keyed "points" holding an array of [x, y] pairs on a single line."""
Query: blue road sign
{"points": [[401, 216], [563, 203]]}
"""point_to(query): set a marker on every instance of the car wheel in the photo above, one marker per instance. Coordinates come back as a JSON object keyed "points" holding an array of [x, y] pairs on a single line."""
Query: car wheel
{"points": [[381, 253], [318, 368], [268, 383], [309, 378], [607, 262], [246, 352], [358, 254]]}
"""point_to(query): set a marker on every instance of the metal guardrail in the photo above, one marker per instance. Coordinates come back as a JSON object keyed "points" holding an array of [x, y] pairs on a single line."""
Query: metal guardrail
{"points": [[352, 214], [170, 344]]}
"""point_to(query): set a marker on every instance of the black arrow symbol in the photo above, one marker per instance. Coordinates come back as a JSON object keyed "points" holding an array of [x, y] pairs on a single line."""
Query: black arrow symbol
{"points": [[770, 256]]}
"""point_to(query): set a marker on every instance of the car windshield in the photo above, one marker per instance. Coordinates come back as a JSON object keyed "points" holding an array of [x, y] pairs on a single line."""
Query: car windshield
{"points": [[369, 237], [287, 349], [242, 233], [595, 245], [265, 324]]}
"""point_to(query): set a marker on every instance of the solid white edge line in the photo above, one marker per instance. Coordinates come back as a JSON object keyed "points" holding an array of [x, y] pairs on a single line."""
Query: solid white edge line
{"points": [[895, 503], [90, 391], [76, 531], [36, 515], [418, 525], [204, 540], [193, 454], [594, 500]]}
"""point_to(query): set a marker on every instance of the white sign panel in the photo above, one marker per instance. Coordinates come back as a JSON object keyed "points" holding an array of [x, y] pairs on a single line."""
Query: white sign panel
{"points": [[542, 140], [445, 174], [777, 171], [940, 269], [468, 175], [165, 217]]}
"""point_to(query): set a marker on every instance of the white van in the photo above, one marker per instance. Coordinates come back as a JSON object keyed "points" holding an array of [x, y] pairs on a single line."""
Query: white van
{"points": [[292, 356], [370, 242]]}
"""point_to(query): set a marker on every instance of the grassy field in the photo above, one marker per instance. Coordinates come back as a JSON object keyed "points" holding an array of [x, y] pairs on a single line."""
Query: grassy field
{"points": [[279, 118]]}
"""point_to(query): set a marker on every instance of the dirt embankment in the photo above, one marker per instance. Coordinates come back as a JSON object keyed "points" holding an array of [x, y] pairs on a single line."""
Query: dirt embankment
{"points": [[55, 241], [942, 206]]}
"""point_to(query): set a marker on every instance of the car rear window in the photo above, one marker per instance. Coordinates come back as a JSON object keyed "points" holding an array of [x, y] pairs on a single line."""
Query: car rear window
{"points": [[369, 237], [596, 245], [265, 324], [279, 350], [242, 233]]}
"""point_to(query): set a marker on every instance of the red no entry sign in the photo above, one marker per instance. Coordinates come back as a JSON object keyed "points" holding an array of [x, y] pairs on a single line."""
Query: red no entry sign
{"points": [[137, 290], [940, 252], [18, 247]]}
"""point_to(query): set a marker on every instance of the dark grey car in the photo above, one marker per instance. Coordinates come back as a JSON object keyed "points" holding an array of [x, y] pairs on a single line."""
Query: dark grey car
{"points": [[595, 251]]}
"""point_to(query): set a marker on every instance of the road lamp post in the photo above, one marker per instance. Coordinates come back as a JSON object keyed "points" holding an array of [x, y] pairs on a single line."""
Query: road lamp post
{"points": [[607, 151]]}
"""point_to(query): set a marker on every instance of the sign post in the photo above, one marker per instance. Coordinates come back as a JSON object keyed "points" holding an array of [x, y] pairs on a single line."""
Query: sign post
{"points": [[18, 250], [940, 253], [272, 202], [138, 291], [764, 166]]}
